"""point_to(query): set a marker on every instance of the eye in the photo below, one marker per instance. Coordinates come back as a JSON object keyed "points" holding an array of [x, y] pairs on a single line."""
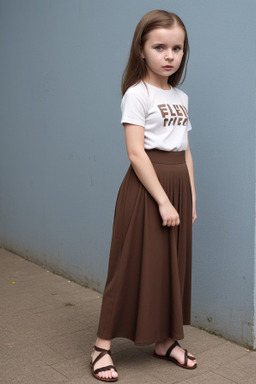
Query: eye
{"points": [[159, 48], [177, 49]]}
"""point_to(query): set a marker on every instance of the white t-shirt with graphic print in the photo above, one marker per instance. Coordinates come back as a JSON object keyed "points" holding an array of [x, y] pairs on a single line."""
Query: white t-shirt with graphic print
{"points": [[162, 113]]}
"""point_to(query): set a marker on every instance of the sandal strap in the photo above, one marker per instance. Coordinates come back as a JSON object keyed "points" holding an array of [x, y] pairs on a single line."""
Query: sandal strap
{"points": [[103, 352], [175, 344], [98, 349], [185, 357], [105, 369], [191, 358]]}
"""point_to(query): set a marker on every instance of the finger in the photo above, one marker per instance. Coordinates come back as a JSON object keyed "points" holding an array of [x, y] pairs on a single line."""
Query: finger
{"points": [[194, 219]]}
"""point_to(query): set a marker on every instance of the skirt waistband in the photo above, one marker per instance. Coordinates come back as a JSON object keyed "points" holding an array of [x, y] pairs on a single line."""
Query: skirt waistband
{"points": [[165, 157]]}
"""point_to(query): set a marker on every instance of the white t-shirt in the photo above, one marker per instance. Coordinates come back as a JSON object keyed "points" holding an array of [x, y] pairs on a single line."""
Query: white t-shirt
{"points": [[162, 113]]}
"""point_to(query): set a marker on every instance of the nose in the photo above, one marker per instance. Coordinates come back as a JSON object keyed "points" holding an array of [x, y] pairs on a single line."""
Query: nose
{"points": [[169, 55]]}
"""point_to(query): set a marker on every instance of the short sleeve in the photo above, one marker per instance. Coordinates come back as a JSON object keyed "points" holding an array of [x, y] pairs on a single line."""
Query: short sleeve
{"points": [[189, 126], [133, 110]]}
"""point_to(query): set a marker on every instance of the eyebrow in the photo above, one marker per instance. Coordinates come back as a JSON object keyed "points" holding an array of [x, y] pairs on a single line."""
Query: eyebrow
{"points": [[161, 42], [175, 45]]}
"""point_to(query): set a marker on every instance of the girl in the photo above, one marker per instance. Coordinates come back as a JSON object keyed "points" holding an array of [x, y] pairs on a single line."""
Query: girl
{"points": [[148, 290]]}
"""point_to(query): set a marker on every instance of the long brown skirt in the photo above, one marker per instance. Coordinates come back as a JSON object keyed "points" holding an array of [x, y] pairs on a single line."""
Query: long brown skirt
{"points": [[148, 290]]}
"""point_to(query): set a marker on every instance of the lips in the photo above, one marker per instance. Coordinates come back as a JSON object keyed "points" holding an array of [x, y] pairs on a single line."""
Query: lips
{"points": [[168, 67]]}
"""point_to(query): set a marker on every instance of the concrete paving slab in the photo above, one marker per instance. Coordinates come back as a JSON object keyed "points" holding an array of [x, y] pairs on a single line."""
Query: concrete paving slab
{"points": [[73, 368], [241, 370], [30, 351], [207, 378], [84, 380], [135, 365], [200, 342], [48, 326], [69, 345], [225, 353], [21, 370], [164, 369]]}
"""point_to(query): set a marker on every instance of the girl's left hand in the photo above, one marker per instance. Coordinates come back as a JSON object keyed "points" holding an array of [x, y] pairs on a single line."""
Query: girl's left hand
{"points": [[194, 214]]}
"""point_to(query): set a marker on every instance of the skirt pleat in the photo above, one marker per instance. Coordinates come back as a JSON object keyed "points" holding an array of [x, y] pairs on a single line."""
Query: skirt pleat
{"points": [[147, 297]]}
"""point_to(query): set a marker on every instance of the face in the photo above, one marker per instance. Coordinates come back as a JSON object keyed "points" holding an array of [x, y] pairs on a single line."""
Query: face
{"points": [[163, 52]]}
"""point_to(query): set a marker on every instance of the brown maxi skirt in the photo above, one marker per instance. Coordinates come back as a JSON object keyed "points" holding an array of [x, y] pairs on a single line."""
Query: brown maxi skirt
{"points": [[148, 290]]}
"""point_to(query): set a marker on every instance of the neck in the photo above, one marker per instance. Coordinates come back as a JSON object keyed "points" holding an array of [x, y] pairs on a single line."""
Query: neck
{"points": [[160, 83]]}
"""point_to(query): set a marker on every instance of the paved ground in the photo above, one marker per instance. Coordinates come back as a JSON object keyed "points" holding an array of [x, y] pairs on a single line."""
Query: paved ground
{"points": [[48, 325]]}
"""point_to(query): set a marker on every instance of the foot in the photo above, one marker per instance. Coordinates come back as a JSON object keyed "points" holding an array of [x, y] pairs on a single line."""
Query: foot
{"points": [[104, 361], [177, 353]]}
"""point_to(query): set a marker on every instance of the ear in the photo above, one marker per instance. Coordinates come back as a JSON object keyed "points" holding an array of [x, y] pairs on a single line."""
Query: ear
{"points": [[142, 54]]}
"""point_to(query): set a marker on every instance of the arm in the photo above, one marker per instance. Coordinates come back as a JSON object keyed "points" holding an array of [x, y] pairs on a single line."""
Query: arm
{"points": [[134, 136], [189, 162]]}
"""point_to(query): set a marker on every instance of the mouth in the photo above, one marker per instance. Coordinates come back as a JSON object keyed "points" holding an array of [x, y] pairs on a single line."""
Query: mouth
{"points": [[168, 67]]}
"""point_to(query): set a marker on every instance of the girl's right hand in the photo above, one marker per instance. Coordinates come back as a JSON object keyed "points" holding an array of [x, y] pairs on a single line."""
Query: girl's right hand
{"points": [[169, 214]]}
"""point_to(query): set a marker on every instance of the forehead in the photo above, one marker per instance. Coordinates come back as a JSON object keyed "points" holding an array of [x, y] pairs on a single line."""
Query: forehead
{"points": [[173, 35]]}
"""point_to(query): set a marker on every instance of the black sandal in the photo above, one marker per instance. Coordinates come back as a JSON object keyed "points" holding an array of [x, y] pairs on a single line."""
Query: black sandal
{"points": [[186, 357], [92, 363]]}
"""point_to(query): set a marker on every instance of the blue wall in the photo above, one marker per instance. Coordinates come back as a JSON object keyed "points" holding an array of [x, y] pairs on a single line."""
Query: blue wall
{"points": [[62, 150]]}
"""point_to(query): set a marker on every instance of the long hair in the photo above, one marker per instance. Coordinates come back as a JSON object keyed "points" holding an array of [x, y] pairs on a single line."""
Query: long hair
{"points": [[136, 69]]}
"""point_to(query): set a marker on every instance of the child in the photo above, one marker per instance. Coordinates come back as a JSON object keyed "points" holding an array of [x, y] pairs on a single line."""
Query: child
{"points": [[148, 290]]}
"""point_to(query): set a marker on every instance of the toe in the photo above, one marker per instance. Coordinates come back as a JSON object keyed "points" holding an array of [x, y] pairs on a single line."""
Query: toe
{"points": [[111, 374], [101, 375], [106, 375], [114, 374], [191, 363]]}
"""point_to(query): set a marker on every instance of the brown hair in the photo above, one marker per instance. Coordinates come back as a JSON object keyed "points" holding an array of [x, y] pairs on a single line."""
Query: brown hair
{"points": [[136, 69]]}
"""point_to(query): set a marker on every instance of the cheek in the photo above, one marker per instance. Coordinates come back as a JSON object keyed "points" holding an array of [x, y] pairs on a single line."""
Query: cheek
{"points": [[154, 57], [181, 56]]}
